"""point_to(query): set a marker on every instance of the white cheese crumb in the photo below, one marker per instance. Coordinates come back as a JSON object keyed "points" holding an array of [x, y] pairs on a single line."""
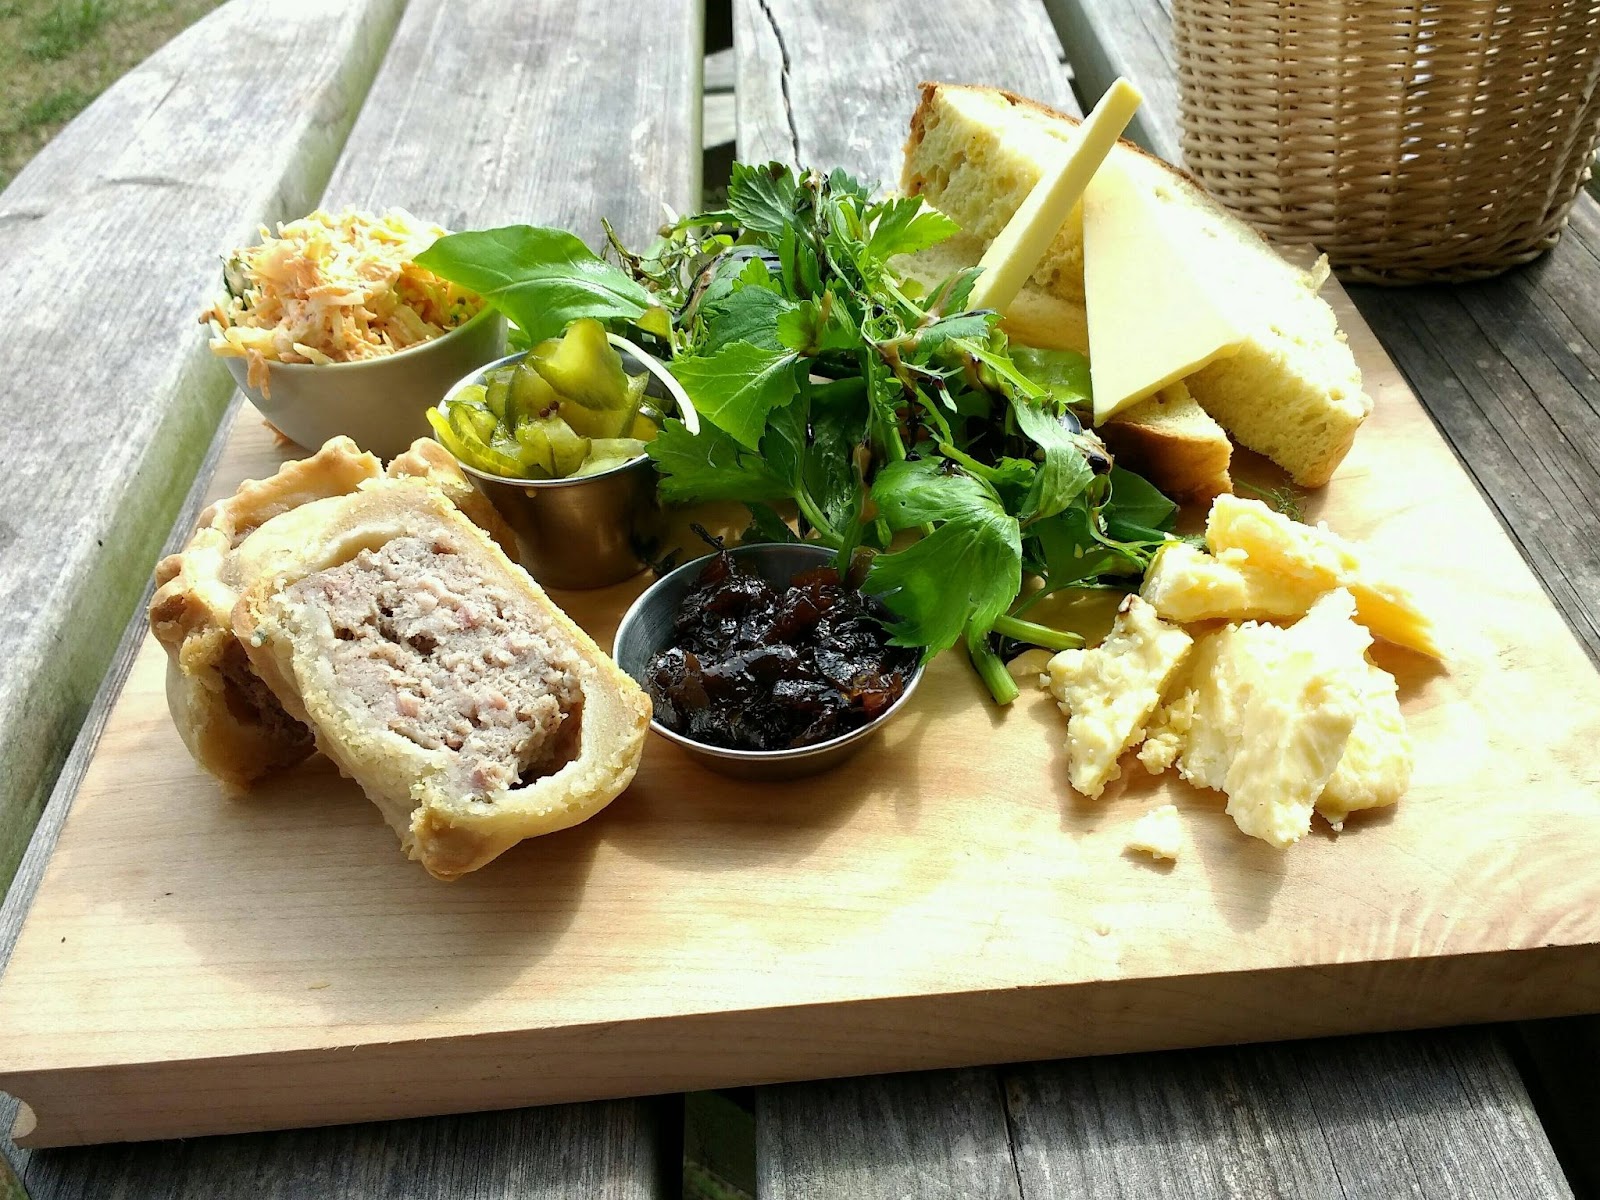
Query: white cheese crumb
{"points": [[1158, 833]]}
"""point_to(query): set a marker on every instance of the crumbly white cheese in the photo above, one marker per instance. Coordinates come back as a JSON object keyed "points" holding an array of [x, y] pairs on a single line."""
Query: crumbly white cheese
{"points": [[1165, 733], [1159, 833], [1375, 769], [1274, 710], [1109, 692]]}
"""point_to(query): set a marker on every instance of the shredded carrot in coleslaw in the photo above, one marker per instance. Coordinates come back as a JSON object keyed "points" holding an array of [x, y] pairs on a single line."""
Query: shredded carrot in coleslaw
{"points": [[333, 288]]}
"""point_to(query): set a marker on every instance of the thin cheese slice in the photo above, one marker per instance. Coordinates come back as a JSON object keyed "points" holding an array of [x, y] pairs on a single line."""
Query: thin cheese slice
{"points": [[1013, 255], [1152, 319]]}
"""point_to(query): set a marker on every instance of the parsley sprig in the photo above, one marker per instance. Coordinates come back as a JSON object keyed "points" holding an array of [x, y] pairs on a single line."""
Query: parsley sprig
{"points": [[893, 418]]}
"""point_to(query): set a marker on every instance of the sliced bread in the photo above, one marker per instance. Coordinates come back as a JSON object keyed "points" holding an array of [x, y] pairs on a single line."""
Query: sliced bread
{"points": [[1293, 392]]}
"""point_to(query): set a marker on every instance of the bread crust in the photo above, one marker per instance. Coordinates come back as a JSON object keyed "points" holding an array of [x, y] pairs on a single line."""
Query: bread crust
{"points": [[927, 90], [224, 721], [448, 834]]}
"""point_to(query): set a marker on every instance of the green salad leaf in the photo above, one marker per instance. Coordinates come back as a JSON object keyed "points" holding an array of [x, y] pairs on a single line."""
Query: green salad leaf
{"points": [[543, 279]]}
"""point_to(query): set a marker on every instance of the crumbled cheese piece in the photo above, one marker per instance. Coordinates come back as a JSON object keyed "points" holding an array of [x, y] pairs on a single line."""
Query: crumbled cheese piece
{"points": [[1186, 584], [1375, 769], [1273, 711], [1165, 735], [1108, 693], [1158, 833], [1248, 533]]}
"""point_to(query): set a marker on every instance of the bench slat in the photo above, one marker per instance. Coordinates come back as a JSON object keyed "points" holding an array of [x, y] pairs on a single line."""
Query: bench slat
{"points": [[110, 239], [817, 83], [929, 1134]]}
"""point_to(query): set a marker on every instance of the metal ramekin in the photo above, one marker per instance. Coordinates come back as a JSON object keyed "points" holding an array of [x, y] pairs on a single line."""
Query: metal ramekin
{"points": [[647, 628], [595, 530]]}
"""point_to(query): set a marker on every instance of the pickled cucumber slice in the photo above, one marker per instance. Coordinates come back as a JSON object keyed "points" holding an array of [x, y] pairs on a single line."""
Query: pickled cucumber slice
{"points": [[597, 466], [623, 448], [531, 397], [497, 389], [583, 366], [568, 448]]}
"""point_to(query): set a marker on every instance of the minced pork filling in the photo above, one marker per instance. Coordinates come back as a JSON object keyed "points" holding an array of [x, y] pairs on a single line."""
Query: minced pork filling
{"points": [[447, 657]]}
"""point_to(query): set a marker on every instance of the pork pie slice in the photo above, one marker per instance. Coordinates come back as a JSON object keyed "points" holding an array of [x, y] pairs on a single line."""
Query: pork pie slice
{"points": [[471, 710], [230, 721]]}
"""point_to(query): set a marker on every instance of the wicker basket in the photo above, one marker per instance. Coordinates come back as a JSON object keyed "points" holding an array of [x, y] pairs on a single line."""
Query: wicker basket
{"points": [[1412, 140]]}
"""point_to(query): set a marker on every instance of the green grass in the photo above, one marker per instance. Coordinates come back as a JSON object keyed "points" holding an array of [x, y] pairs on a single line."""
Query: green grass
{"points": [[67, 27], [56, 56]]}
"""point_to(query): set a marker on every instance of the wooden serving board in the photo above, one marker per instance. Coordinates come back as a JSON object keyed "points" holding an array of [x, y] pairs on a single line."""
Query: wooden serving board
{"points": [[198, 964]]}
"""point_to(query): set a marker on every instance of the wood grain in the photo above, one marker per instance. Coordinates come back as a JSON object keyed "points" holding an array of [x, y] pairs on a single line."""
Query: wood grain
{"points": [[831, 84], [928, 1135], [552, 114], [599, 1150], [110, 239], [954, 914], [1342, 1118], [1346, 1117]]}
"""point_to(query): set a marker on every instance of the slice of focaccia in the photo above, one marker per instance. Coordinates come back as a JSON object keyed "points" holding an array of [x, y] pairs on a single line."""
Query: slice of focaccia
{"points": [[437, 674]]}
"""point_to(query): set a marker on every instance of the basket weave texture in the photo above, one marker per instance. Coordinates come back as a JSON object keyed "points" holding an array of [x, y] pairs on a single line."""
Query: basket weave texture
{"points": [[1412, 141]]}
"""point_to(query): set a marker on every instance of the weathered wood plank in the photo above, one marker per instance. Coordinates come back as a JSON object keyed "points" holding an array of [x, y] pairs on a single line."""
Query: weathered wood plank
{"points": [[555, 114], [820, 83], [925, 1135], [1130, 39], [1364, 1116], [471, 121], [110, 238], [603, 1150]]}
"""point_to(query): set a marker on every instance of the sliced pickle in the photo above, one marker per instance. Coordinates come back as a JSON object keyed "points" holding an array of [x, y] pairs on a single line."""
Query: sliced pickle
{"points": [[592, 422], [623, 448], [531, 397], [568, 447], [583, 366], [497, 390], [597, 466], [644, 429], [535, 449]]}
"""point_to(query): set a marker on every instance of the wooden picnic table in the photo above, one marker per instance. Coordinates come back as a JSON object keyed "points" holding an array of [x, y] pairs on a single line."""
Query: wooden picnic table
{"points": [[559, 113]]}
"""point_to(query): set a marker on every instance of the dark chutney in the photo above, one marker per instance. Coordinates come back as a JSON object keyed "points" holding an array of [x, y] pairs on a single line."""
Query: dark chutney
{"points": [[753, 667]]}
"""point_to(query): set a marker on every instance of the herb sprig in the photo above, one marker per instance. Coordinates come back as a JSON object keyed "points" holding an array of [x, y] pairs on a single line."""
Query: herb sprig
{"points": [[892, 417]]}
